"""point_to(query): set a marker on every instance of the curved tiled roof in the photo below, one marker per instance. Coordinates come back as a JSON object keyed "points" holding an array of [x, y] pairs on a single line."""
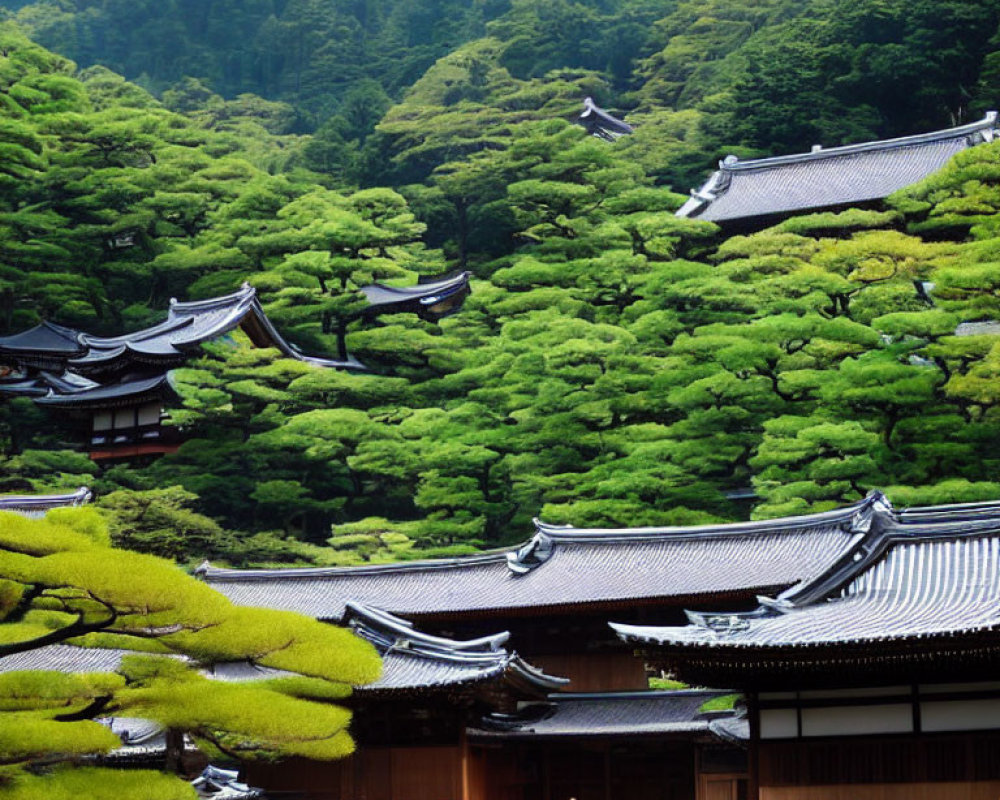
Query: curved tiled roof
{"points": [[565, 566], [187, 326], [416, 661], [134, 391], [46, 338], [383, 297], [921, 575], [830, 177]]}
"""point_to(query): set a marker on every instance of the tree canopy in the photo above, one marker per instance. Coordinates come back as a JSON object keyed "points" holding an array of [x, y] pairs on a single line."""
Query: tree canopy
{"points": [[63, 583], [614, 364]]}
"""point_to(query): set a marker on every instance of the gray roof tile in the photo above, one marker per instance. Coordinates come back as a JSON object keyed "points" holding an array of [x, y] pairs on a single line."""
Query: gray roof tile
{"points": [[416, 661], [187, 326], [65, 658], [831, 177], [925, 573], [35, 505], [565, 566]]}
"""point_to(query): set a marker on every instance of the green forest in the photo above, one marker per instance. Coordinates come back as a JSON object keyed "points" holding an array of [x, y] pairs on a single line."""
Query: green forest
{"points": [[614, 365]]}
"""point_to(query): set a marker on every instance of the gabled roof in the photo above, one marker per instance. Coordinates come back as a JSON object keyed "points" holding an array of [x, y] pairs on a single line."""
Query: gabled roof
{"points": [[600, 123], [38, 504], [609, 714], [562, 566], [414, 661], [189, 325], [924, 580], [826, 178], [126, 392]]}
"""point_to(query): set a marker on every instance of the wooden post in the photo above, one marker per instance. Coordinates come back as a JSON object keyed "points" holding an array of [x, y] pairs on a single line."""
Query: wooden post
{"points": [[464, 755], [607, 772], [753, 751]]}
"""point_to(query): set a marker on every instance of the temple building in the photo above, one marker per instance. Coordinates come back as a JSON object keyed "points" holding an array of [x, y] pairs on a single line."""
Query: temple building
{"points": [[118, 387], [854, 651], [604, 732], [874, 678], [756, 193]]}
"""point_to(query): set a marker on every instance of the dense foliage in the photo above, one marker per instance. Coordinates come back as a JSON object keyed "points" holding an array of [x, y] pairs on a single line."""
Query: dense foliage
{"points": [[614, 365], [60, 582]]}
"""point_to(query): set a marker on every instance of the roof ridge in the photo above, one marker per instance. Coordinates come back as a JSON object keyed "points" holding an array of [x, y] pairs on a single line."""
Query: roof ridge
{"points": [[245, 292], [642, 694], [81, 496], [732, 164], [568, 533], [526, 556], [209, 573], [372, 622]]}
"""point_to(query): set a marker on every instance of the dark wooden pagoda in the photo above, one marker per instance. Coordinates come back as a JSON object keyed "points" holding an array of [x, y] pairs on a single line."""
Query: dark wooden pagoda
{"points": [[753, 194], [118, 387], [874, 678]]}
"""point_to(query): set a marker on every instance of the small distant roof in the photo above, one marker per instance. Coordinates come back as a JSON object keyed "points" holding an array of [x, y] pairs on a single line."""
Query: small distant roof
{"points": [[37, 504], [563, 566], [919, 582], [832, 177], [431, 300], [71, 359], [600, 123], [612, 714], [162, 346]]}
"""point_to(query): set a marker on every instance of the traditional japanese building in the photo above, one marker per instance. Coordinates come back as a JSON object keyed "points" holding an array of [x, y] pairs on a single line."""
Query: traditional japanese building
{"points": [[118, 387], [875, 678], [760, 192], [605, 730], [555, 593], [866, 641]]}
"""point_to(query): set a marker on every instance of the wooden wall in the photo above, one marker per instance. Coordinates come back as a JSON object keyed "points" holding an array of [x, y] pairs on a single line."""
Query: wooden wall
{"points": [[375, 773], [987, 790], [953, 758], [596, 672]]}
